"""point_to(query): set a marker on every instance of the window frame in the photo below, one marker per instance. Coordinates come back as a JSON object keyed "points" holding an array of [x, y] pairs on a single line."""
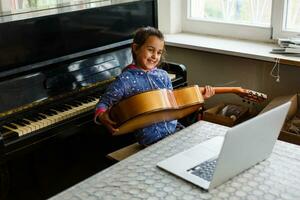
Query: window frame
{"points": [[278, 20], [240, 31]]}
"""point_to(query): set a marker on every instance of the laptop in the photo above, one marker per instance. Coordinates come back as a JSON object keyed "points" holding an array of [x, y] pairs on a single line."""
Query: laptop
{"points": [[216, 160]]}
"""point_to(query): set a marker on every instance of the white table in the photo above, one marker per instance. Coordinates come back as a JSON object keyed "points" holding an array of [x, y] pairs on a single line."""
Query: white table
{"points": [[137, 177]]}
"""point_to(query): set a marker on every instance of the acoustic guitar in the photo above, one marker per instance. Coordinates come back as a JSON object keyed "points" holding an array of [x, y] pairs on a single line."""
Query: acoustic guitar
{"points": [[154, 106]]}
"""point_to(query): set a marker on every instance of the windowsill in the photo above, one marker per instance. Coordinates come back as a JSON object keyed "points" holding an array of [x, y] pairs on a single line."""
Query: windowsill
{"points": [[227, 46]]}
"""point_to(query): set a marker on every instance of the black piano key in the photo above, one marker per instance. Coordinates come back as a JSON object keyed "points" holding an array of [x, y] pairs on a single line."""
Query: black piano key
{"points": [[48, 112], [55, 110], [74, 103], [96, 96], [79, 101], [14, 123], [52, 112], [19, 122], [4, 130], [90, 99], [11, 126], [85, 101], [64, 108], [40, 116], [68, 107], [8, 134], [24, 121], [31, 117]]}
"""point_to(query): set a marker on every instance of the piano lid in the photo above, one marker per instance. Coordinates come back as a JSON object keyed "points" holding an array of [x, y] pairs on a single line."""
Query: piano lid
{"points": [[36, 42]]}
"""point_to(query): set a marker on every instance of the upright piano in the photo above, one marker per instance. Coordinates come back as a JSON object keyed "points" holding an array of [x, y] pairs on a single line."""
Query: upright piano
{"points": [[54, 68]]}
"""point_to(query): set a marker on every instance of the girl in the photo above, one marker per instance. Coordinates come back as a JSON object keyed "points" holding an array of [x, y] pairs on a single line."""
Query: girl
{"points": [[148, 48]]}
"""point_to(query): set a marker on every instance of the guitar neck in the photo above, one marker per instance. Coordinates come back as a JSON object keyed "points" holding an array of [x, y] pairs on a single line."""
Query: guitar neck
{"points": [[220, 90]]}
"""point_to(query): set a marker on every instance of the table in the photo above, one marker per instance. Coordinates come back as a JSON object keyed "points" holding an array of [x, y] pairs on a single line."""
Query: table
{"points": [[137, 177]]}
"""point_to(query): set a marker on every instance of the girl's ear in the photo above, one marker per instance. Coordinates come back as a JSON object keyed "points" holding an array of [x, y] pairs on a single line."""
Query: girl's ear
{"points": [[134, 47]]}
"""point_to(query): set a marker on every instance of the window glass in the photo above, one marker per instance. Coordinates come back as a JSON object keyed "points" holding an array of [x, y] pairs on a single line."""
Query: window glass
{"points": [[292, 22], [249, 12]]}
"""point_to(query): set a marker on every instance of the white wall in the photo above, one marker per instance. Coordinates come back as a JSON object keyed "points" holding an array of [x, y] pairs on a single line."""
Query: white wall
{"points": [[169, 16]]}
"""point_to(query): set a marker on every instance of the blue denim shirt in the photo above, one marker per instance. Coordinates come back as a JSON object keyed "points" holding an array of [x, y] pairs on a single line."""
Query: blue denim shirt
{"points": [[133, 81]]}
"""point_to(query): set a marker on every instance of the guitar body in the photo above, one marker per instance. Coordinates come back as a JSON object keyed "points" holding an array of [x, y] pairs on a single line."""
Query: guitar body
{"points": [[154, 106], [144, 109]]}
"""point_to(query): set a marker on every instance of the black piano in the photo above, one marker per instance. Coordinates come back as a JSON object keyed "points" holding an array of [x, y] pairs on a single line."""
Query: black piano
{"points": [[54, 68]]}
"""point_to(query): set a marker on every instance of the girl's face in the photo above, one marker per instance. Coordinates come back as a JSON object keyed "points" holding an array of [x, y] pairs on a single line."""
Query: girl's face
{"points": [[149, 54]]}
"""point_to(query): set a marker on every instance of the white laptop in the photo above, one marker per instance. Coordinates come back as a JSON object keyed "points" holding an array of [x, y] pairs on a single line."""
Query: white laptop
{"points": [[216, 160]]}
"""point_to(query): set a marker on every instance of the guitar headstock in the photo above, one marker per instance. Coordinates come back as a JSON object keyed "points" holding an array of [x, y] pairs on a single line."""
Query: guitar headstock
{"points": [[247, 95], [253, 96]]}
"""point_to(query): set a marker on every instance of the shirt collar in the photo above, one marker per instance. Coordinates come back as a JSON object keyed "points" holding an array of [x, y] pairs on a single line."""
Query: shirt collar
{"points": [[134, 66]]}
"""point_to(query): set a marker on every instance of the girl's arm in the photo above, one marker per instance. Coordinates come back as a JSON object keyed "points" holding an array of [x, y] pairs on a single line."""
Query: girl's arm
{"points": [[113, 94]]}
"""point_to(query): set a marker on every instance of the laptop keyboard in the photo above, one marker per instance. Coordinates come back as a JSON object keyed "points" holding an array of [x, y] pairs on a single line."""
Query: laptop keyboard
{"points": [[204, 170]]}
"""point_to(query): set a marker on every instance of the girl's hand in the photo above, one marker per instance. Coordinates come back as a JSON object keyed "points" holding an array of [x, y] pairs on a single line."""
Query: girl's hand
{"points": [[209, 92], [106, 121]]}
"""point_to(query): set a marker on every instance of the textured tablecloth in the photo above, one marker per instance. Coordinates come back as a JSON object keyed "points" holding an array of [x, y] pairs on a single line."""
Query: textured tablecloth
{"points": [[137, 177]]}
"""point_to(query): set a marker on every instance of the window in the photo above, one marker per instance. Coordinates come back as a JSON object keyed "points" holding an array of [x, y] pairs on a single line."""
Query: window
{"points": [[232, 11], [292, 15], [247, 19]]}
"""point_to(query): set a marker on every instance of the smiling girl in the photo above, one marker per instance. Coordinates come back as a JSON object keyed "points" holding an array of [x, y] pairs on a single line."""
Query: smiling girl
{"points": [[142, 75]]}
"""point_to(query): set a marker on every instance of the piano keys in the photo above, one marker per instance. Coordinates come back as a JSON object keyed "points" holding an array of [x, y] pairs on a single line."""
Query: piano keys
{"points": [[54, 114]]}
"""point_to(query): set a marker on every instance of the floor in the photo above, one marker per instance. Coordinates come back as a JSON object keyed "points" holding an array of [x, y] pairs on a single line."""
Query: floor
{"points": [[58, 165]]}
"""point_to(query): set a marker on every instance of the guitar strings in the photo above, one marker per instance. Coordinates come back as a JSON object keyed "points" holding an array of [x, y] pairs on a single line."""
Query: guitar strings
{"points": [[277, 68]]}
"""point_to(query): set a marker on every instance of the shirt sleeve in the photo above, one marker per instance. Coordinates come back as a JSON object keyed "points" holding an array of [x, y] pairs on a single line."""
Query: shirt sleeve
{"points": [[113, 94]]}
